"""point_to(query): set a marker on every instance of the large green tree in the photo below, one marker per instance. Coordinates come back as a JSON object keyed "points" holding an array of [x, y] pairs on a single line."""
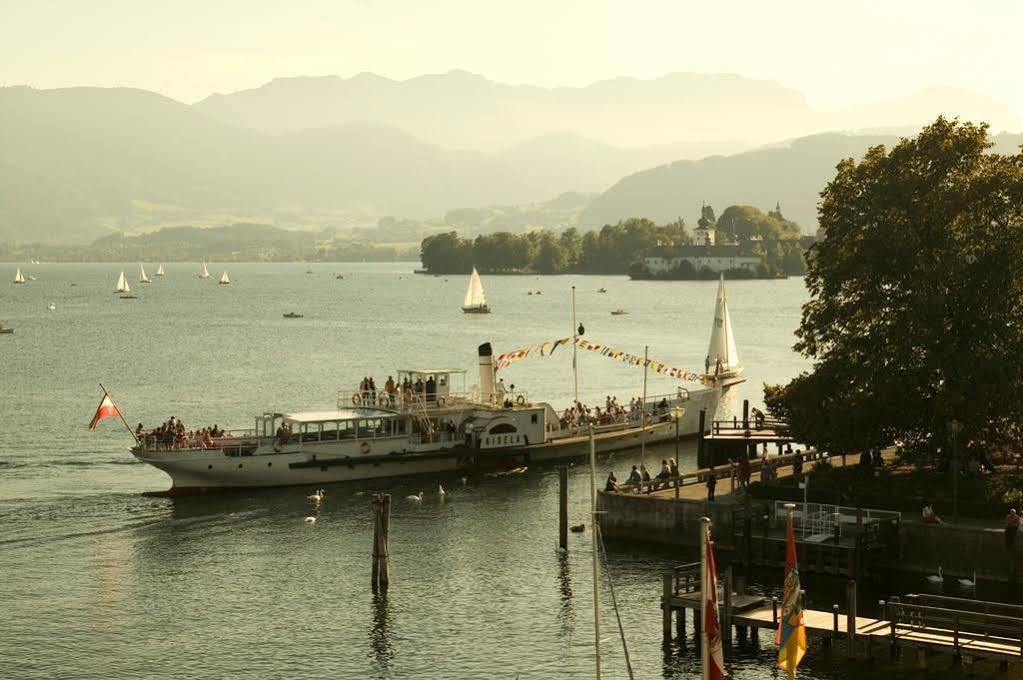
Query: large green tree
{"points": [[916, 309]]}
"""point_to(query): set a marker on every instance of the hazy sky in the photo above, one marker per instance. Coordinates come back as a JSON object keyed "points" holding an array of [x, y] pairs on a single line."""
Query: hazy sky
{"points": [[835, 51]]}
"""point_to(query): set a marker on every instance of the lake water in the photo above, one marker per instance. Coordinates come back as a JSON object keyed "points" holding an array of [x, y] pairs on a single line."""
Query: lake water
{"points": [[99, 580]]}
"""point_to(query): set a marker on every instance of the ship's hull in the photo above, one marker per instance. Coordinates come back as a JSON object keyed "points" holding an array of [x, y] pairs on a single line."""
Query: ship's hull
{"points": [[323, 462]]}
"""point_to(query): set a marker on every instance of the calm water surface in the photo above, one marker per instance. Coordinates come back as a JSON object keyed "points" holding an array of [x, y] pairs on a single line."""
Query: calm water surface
{"points": [[98, 580]]}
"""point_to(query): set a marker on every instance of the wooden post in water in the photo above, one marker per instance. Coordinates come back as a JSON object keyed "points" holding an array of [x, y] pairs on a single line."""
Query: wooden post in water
{"points": [[563, 507], [666, 593], [700, 460], [726, 625], [850, 617], [745, 414], [381, 531]]}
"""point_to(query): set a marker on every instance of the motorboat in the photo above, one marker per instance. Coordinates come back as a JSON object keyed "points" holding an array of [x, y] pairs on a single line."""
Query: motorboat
{"points": [[293, 315], [435, 426], [5, 330], [618, 312]]}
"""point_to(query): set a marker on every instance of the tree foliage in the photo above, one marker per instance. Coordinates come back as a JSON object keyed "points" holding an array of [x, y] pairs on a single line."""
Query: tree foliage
{"points": [[916, 309]]}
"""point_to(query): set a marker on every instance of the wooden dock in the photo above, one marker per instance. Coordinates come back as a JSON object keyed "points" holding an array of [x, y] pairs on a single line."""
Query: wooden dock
{"points": [[927, 623]]}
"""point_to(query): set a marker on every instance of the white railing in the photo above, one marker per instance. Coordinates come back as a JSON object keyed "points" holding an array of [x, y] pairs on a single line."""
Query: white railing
{"points": [[820, 518]]}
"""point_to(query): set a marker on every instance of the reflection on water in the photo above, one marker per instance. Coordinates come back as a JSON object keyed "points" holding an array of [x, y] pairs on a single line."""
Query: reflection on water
{"points": [[379, 635]]}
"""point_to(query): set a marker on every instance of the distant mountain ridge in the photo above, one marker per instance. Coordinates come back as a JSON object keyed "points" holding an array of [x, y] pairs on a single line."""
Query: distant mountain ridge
{"points": [[791, 175], [459, 109]]}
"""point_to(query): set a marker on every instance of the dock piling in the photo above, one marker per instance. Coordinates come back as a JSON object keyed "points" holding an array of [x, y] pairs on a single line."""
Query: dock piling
{"points": [[563, 508], [726, 628], [381, 577], [850, 616], [666, 593]]}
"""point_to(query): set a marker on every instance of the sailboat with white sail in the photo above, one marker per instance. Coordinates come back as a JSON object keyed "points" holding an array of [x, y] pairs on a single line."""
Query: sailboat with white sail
{"points": [[123, 288], [722, 363], [143, 277], [475, 301], [19, 277], [223, 279], [159, 272], [205, 274]]}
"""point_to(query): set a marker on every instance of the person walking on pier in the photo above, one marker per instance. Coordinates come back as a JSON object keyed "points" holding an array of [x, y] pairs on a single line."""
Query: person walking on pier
{"points": [[1011, 528], [712, 482]]}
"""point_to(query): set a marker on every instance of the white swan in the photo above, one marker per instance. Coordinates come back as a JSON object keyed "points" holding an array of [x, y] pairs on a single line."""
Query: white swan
{"points": [[936, 578], [415, 499], [310, 520], [440, 491], [318, 496], [967, 583]]}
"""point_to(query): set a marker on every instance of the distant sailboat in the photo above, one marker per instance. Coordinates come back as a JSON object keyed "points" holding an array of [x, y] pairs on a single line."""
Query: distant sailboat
{"points": [[722, 357], [142, 275], [475, 302], [223, 278], [51, 307], [19, 277], [123, 288], [159, 272], [205, 272]]}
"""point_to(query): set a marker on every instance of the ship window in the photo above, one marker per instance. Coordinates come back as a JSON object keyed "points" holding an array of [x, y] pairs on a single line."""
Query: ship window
{"points": [[532, 418], [346, 430], [329, 432], [310, 432]]}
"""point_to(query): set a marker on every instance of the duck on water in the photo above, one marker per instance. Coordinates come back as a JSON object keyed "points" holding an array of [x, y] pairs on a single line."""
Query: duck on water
{"points": [[377, 434]]}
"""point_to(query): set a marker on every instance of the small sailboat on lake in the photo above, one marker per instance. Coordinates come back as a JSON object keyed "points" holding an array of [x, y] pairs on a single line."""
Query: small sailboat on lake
{"points": [[205, 274], [223, 279], [475, 301], [722, 358], [159, 271], [19, 277], [123, 288], [143, 277]]}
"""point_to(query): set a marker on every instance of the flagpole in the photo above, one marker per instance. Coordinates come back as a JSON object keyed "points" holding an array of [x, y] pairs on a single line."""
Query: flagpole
{"points": [[594, 538], [126, 425], [704, 643], [575, 341]]}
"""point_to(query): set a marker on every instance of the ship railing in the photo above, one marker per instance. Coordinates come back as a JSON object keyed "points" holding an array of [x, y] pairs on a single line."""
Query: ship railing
{"points": [[228, 439], [416, 402]]}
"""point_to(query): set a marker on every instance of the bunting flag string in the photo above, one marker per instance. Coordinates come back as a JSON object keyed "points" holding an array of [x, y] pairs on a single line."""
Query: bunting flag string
{"points": [[547, 349]]}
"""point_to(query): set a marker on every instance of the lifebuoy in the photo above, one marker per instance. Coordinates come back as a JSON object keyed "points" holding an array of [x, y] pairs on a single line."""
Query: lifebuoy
{"points": [[356, 399], [365, 448], [520, 400], [441, 401]]}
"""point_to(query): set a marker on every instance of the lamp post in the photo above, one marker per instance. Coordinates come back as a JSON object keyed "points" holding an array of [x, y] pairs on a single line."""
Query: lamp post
{"points": [[954, 428], [677, 412]]}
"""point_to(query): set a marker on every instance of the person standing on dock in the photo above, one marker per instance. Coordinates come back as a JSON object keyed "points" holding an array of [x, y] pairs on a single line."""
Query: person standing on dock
{"points": [[1011, 528], [712, 482], [744, 471]]}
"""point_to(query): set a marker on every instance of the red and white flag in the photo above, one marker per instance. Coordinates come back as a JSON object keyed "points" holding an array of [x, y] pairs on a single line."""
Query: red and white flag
{"points": [[713, 656], [106, 410]]}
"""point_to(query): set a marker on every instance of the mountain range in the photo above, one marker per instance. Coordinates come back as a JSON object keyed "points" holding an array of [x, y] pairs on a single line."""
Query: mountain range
{"points": [[330, 152]]}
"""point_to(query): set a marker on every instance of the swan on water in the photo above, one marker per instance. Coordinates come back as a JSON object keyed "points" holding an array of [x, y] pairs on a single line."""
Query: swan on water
{"points": [[310, 520], [318, 496], [415, 499], [936, 578], [440, 491], [967, 583]]}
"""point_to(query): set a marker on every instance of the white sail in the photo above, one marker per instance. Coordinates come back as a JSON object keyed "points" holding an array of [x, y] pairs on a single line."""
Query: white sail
{"points": [[722, 339], [142, 275], [205, 272], [122, 284], [19, 277], [159, 272], [223, 277], [474, 295]]}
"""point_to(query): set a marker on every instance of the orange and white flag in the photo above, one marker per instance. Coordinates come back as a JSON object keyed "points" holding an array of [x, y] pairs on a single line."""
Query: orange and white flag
{"points": [[106, 410]]}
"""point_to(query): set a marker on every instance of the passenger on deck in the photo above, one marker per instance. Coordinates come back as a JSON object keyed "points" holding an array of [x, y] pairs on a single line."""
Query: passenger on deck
{"points": [[431, 390], [501, 391], [673, 467], [612, 483], [391, 390], [372, 391], [419, 388], [140, 431], [634, 476]]}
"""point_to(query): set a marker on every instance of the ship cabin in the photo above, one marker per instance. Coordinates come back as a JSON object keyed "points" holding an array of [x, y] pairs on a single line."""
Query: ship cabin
{"points": [[313, 427], [437, 386]]}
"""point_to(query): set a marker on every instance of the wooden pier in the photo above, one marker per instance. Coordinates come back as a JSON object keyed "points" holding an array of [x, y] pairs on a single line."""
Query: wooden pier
{"points": [[926, 623]]}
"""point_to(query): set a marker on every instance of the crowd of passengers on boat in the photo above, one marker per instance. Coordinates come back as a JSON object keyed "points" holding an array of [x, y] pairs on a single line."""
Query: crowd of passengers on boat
{"points": [[394, 393], [173, 435]]}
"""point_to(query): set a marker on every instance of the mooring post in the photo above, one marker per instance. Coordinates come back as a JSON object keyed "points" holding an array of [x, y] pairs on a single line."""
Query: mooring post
{"points": [[700, 461], [745, 414], [666, 593], [774, 612], [563, 508], [850, 616], [381, 578], [726, 629]]}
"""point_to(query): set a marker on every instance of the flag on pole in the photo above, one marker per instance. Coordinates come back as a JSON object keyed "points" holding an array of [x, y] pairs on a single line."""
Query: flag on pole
{"points": [[714, 663], [106, 410], [791, 637]]}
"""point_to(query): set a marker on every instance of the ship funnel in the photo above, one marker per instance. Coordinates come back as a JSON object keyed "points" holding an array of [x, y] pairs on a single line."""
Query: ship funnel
{"points": [[487, 378]]}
